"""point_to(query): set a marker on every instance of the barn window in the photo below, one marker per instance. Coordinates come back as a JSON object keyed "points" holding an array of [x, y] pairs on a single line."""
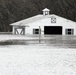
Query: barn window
{"points": [[69, 31], [36, 31], [46, 12], [53, 20]]}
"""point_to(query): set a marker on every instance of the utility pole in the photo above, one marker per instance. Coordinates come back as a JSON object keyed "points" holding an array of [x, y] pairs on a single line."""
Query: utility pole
{"points": [[39, 34]]}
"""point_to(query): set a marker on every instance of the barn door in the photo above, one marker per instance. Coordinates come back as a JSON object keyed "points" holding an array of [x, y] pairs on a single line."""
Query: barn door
{"points": [[53, 30], [20, 31]]}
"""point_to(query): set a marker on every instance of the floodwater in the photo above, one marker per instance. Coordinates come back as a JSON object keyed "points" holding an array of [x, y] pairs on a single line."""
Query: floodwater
{"points": [[55, 41]]}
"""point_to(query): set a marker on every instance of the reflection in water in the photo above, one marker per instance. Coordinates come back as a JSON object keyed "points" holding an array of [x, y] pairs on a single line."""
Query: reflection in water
{"points": [[55, 41], [48, 42], [60, 43], [19, 42], [13, 42]]}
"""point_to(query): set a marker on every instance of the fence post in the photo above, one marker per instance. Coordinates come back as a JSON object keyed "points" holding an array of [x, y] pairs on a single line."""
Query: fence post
{"points": [[39, 34]]}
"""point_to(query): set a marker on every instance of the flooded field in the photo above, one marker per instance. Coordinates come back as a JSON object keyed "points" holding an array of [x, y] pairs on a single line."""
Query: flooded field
{"points": [[55, 41]]}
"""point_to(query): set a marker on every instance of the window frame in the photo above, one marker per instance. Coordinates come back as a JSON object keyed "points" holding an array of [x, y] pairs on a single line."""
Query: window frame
{"points": [[46, 12], [36, 31], [69, 31]]}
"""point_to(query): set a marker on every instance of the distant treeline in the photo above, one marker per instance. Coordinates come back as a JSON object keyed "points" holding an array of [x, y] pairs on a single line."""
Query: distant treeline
{"points": [[15, 10]]}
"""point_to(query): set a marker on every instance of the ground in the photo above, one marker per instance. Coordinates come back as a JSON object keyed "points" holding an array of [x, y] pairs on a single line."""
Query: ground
{"points": [[32, 60], [38, 58]]}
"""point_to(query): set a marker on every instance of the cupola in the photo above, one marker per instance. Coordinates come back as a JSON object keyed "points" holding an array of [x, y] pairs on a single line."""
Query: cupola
{"points": [[46, 11]]}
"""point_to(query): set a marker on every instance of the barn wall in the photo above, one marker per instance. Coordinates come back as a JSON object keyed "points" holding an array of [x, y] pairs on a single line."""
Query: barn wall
{"points": [[66, 24], [13, 30], [69, 27], [29, 30]]}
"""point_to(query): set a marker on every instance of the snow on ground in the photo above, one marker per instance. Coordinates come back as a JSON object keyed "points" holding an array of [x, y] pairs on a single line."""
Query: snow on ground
{"points": [[50, 57], [37, 60]]}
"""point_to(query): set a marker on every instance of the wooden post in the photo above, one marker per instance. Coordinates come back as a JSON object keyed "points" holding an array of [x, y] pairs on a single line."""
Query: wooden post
{"points": [[39, 34]]}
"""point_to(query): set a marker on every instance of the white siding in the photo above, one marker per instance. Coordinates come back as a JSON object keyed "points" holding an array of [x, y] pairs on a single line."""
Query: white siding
{"points": [[46, 21], [66, 24]]}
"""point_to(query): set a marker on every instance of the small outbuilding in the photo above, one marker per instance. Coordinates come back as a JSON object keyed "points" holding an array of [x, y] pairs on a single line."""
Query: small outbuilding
{"points": [[50, 24]]}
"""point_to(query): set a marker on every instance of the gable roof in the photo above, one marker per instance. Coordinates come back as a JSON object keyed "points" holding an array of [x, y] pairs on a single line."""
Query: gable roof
{"points": [[36, 18], [28, 20], [46, 9]]}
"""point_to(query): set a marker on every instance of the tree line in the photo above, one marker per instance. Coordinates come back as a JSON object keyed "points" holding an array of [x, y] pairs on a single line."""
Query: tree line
{"points": [[15, 10]]}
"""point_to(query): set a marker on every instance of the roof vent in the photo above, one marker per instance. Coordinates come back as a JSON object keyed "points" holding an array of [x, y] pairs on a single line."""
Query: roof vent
{"points": [[46, 11]]}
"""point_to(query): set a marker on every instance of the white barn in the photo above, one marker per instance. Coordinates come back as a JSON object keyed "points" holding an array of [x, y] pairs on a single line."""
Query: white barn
{"points": [[50, 24]]}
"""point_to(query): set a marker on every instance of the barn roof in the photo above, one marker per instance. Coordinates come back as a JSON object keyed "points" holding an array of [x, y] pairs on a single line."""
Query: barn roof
{"points": [[25, 22], [46, 9], [28, 20]]}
